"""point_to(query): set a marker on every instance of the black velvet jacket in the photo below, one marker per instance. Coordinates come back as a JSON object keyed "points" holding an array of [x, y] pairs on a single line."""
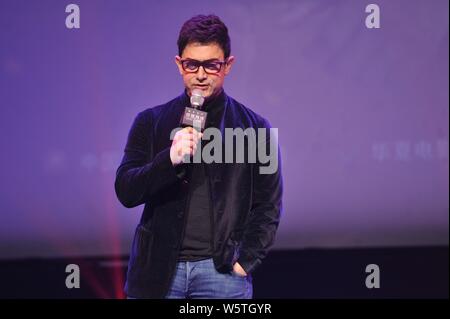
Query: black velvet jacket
{"points": [[245, 205]]}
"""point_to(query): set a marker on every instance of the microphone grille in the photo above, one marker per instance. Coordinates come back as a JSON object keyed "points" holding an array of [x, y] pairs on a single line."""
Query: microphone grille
{"points": [[197, 98]]}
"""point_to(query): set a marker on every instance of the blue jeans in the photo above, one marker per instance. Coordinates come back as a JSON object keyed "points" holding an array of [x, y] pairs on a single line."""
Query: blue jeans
{"points": [[200, 279]]}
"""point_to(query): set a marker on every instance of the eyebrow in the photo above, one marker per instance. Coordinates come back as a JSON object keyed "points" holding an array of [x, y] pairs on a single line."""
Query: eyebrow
{"points": [[204, 61]]}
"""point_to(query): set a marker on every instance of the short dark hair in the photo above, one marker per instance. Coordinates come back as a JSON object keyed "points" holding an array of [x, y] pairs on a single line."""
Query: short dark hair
{"points": [[204, 29]]}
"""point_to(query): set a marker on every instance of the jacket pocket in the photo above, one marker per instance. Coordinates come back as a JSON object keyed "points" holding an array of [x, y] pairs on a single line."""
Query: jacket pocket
{"points": [[140, 256]]}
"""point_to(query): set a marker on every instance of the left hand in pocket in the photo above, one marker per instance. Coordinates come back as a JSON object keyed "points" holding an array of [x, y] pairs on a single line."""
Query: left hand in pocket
{"points": [[237, 268]]}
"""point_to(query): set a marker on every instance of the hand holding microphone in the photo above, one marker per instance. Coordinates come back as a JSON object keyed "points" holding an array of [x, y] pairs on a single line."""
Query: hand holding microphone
{"points": [[185, 141], [184, 144]]}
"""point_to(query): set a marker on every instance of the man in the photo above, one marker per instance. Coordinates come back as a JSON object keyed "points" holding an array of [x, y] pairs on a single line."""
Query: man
{"points": [[205, 226]]}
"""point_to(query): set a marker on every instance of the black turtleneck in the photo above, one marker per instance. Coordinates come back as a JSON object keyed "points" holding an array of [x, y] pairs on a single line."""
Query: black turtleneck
{"points": [[197, 240]]}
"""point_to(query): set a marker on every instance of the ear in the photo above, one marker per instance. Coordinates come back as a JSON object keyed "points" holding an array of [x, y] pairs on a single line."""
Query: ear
{"points": [[229, 64], [178, 63]]}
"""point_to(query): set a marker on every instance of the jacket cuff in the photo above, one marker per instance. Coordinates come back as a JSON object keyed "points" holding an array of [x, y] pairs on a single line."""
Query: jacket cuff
{"points": [[180, 170], [248, 262], [163, 164]]}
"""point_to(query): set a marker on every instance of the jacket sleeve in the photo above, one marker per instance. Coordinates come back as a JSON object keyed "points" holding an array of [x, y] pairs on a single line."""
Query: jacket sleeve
{"points": [[140, 175], [264, 217]]}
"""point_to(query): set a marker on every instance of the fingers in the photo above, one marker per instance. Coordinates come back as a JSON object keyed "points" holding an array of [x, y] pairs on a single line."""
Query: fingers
{"points": [[188, 133], [188, 145], [184, 143], [192, 133]]}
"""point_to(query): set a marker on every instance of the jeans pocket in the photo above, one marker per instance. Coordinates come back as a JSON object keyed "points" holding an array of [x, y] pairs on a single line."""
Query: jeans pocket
{"points": [[235, 274]]}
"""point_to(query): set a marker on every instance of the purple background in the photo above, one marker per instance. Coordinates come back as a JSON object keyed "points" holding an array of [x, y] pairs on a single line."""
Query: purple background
{"points": [[362, 116]]}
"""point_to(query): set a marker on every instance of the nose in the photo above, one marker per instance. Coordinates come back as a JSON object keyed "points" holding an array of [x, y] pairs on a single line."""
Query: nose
{"points": [[201, 74]]}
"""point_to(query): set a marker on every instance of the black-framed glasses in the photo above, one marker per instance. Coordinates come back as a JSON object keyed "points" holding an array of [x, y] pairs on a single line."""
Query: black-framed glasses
{"points": [[210, 66]]}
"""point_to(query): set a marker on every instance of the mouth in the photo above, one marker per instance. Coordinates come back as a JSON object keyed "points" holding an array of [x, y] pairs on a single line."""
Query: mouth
{"points": [[201, 86]]}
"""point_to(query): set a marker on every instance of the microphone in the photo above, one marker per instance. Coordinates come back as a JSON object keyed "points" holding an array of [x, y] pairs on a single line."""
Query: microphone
{"points": [[192, 115], [197, 98]]}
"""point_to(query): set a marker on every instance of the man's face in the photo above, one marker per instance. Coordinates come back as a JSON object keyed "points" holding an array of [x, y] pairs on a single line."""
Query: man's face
{"points": [[210, 83]]}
